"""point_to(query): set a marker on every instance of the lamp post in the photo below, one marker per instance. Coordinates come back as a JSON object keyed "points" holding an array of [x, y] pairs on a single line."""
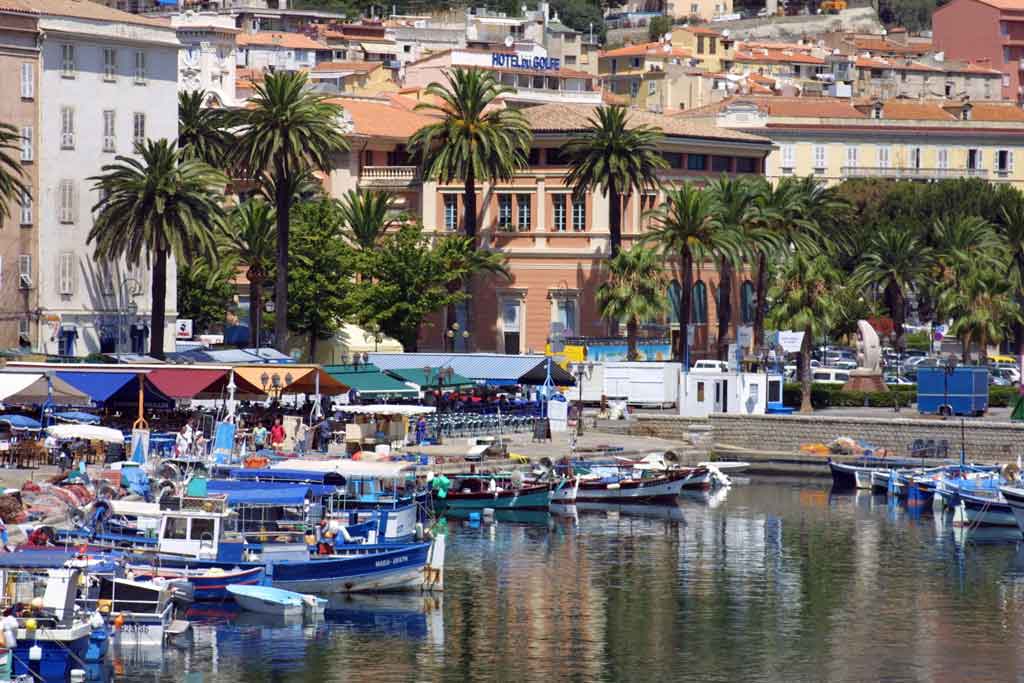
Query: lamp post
{"points": [[130, 309], [273, 385], [443, 374], [581, 371], [453, 334]]}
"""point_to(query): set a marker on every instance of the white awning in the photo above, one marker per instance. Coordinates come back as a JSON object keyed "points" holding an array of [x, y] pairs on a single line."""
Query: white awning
{"points": [[12, 383], [135, 508], [380, 48], [88, 432], [347, 468], [385, 409]]}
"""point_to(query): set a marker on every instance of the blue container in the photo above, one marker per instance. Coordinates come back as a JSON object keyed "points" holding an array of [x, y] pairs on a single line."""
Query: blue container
{"points": [[964, 391]]}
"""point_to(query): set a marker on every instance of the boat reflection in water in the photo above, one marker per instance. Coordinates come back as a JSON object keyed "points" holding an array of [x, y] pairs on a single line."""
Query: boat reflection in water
{"points": [[475, 517], [613, 510], [409, 617]]}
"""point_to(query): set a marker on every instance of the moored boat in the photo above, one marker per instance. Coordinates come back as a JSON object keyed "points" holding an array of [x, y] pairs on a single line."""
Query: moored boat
{"points": [[976, 510], [1014, 497], [268, 600], [208, 585], [476, 492], [658, 488]]}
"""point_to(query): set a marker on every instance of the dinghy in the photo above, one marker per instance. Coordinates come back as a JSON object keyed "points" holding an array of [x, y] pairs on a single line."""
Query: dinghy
{"points": [[268, 600]]}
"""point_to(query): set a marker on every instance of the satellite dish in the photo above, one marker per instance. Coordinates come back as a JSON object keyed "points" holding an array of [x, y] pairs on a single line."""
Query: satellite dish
{"points": [[509, 41], [725, 33], [668, 37]]}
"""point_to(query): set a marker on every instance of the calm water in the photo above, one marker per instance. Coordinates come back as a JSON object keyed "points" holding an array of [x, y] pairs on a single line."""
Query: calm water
{"points": [[775, 581]]}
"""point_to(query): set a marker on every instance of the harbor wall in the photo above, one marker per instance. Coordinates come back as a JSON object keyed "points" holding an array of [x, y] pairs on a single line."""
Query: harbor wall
{"points": [[777, 435]]}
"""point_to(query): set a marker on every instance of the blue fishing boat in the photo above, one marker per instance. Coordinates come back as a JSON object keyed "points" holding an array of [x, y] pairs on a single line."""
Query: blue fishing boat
{"points": [[209, 585], [1014, 497], [975, 510]]}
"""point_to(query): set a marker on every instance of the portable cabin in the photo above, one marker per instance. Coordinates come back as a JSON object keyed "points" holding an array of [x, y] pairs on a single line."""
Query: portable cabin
{"points": [[735, 393], [960, 390], [643, 383]]}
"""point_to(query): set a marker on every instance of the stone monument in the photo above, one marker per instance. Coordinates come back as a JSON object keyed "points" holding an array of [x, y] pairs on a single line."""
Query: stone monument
{"points": [[868, 374]]}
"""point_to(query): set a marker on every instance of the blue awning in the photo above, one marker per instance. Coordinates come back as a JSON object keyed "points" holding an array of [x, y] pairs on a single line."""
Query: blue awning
{"points": [[222, 486], [78, 416], [292, 495], [289, 476], [21, 422], [99, 385]]}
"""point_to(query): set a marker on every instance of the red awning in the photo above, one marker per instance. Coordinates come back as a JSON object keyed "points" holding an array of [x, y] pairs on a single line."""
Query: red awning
{"points": [[180, 383]]}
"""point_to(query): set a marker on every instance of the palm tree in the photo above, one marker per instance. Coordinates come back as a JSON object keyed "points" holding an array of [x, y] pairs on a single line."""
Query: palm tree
{"points": [[802, 299], [204, 132], [733, 200], [1011, 230], [476, 140], [156, 206], [633, 291], [366, 217], [616, 158], [250, 238], [963, 241], [287, 130], [685, 226], [982, 305], [894, 261], [11, 185]]}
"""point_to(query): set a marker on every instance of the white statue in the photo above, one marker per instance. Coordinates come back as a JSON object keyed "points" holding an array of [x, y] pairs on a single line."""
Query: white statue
{"points": [[869, 351]]}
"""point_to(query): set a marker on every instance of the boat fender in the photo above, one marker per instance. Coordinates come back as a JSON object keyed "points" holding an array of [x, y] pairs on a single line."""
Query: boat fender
{"points": [[613, 487], [77, 675], [489, 514], [419, 531], [96, 620], [35, 653]]}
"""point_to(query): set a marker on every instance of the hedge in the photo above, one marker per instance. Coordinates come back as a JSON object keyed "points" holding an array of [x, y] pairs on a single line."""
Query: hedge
{"points": [[833, 396]]}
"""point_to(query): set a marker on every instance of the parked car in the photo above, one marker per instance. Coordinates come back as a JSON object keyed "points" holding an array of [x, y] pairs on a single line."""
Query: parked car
{"points": [[893, 380], [1008, 371], [1009, 375], [830, 375], [710, 366]]}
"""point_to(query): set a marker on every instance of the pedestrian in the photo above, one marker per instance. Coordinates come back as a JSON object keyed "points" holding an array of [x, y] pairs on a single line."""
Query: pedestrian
{"points": [[421, 430], [9, 626], [325, 435], [277, 433], [182, 442], [259, 437]]}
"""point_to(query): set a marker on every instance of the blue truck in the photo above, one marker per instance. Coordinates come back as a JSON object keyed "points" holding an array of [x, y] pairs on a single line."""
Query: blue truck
{"points": [[959, 391]]}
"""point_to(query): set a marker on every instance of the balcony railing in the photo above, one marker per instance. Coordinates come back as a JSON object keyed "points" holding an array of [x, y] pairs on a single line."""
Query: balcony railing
{"points": [[911, 173], [389, 176]]}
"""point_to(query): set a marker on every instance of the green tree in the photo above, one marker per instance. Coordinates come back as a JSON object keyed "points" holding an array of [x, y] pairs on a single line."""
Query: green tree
{"points": [[204, 133], [249, 239], [658, 27], [804, 298], [366, 216], [616, 158], [686, 227], [156, 206], [982, 304], [476, 140], [1011, 232], [321, 278], [11, 184], [287, 130], [206, 291], [633, 292], [894, 261]]}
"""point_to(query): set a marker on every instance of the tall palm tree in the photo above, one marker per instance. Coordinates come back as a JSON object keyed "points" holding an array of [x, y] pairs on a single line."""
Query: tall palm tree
{"points": [[366, 217], [633, 291], [286, 130], [686, 227], [616, 158], [894, 261], [733, 200], [204, 133], [11, 184], [250, 238], [803, 299], [982, 305], [1011, 231], [476, 140], [156, 206], [963, 241]]}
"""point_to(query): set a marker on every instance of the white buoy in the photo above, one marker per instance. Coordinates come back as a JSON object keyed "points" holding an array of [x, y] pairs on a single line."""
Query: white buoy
{"points": [[489, 514], [77, 675], [35, 653], [419, 531]]}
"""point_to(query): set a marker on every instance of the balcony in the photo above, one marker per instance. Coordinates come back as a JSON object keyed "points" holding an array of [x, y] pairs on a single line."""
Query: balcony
{"points": [[389, 177], [911, 173]]}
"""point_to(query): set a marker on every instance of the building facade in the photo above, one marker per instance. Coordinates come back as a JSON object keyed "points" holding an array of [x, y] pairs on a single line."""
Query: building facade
{"points": [[990, 32], [103, 80], [209, 55], [283, 51]]}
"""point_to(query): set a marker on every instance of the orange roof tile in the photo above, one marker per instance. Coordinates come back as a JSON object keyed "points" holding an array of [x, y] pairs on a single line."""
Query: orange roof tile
{"points": [[903, 110], [883, 45], [79, 9], [777, 57], [1001, 4], [996, 111], [292, 41], [648, 50], [381, 118], [702, 31]]}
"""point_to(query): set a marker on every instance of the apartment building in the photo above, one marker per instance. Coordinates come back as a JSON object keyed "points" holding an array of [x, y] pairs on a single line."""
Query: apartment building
{"points": [[88, 82], [881, 78], [711, 48], [984, 31], [282, 51], [920, 140], [658, 77], [209, 55]]}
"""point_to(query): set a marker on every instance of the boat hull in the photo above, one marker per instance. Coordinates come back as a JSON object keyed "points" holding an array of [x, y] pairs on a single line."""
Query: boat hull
{"points": [[844, 477], [63, 650], [208, 587], [536, 498], [267, 602], [975, 511], [1014, 497], [656, 489]]}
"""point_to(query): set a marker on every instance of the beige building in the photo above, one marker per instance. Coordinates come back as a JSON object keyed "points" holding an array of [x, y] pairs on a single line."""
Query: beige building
{"points": [[836, 139], [705, 10], [714, 51], [881, 78]]}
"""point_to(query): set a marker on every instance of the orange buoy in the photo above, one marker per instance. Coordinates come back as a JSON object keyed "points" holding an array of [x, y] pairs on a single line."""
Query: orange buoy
{"points": [[119, 621]]}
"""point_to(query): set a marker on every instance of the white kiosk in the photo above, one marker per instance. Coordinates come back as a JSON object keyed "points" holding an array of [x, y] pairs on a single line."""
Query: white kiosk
{"points": [[704, 392]]}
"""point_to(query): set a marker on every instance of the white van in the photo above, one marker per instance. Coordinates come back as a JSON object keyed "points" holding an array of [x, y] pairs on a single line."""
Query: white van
{"points": [[830, 375], [710, 366]]}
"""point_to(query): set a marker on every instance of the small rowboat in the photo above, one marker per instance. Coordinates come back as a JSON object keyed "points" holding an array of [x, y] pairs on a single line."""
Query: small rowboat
{"points": [[208, 585], [267, 600]]}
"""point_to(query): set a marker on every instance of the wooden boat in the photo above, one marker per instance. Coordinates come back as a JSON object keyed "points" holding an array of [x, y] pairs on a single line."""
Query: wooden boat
{"points": [[976, 510], [476, 492], [849, 477], [661, 488], [1014, 497], [207, 585], [268, 600]]}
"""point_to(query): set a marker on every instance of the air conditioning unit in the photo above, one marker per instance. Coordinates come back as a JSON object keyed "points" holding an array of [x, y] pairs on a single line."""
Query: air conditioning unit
{"points": [[25, 281]]}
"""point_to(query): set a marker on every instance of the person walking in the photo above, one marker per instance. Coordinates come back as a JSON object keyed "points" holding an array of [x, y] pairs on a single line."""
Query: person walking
{"points": [[259, 437], [277, 433]]}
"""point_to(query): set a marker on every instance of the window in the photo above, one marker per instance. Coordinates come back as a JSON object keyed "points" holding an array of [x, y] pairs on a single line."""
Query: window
{"points": [[558, 201], [720, 164], [747, 302], [66, 198], [788, 158], [67, 128], [1004, 29], [851, 156], [943, 158], [700, 39], [579, 215], [565, 316], [25, 271], [109, 63], [915, 157], [108, 130], [636, 62], [570, 60], [974, 159], [883, 156], [903, 76], [138, 128], [712, 43], [949, 90], [700, 392], [674, 159], [675, 294], [28, 81], [614, 66], [510, 313], [140, 67], [652, 88], [451, 217], [23, 331], [696, 162], [26, 143], [525, 219], [819, 157], [1004, 161], [66, 273], [504, 211], [746, 165], [176, 528], [67, 61], [202, 529], [699, 305], [26, 207], [535, 157], [634, 88]]}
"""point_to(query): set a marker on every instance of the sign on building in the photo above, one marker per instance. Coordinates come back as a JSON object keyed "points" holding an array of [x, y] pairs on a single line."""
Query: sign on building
{"points": [[506, 60], [183, 330]]}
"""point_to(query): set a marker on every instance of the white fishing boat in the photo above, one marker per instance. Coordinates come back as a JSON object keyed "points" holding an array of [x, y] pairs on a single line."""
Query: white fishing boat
{"points": [[268, 600]]}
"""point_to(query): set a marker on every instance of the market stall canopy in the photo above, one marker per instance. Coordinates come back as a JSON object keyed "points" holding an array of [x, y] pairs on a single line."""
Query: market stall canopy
{"points": [[388, 409], [31, 388], [367, 469], [420, 378], [369, 381], [78, 416], [289, 495], [483, 368], [100, 386], [87, 432], [197, 382], [232, 356], [293, 379], [21, 422]]}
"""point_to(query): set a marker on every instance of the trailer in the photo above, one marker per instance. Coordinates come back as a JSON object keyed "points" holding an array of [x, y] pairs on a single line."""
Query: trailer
{"points": [[952, 391], [643, 383]]}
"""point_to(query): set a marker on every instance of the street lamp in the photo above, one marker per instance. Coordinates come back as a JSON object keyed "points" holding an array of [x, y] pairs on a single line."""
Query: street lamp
{"points": [[130, 307], [581, 371], [453, 333]]}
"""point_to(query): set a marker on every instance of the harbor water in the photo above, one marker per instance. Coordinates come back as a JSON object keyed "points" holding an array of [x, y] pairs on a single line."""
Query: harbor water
{"points": [[773, 580]]}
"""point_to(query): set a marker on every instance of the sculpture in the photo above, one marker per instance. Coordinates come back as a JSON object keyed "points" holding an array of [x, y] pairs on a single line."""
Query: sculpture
{"points": [[869, 351]]}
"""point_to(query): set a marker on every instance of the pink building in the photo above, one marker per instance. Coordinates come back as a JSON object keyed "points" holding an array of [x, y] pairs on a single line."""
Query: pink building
{"points": [[989, 31]]}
